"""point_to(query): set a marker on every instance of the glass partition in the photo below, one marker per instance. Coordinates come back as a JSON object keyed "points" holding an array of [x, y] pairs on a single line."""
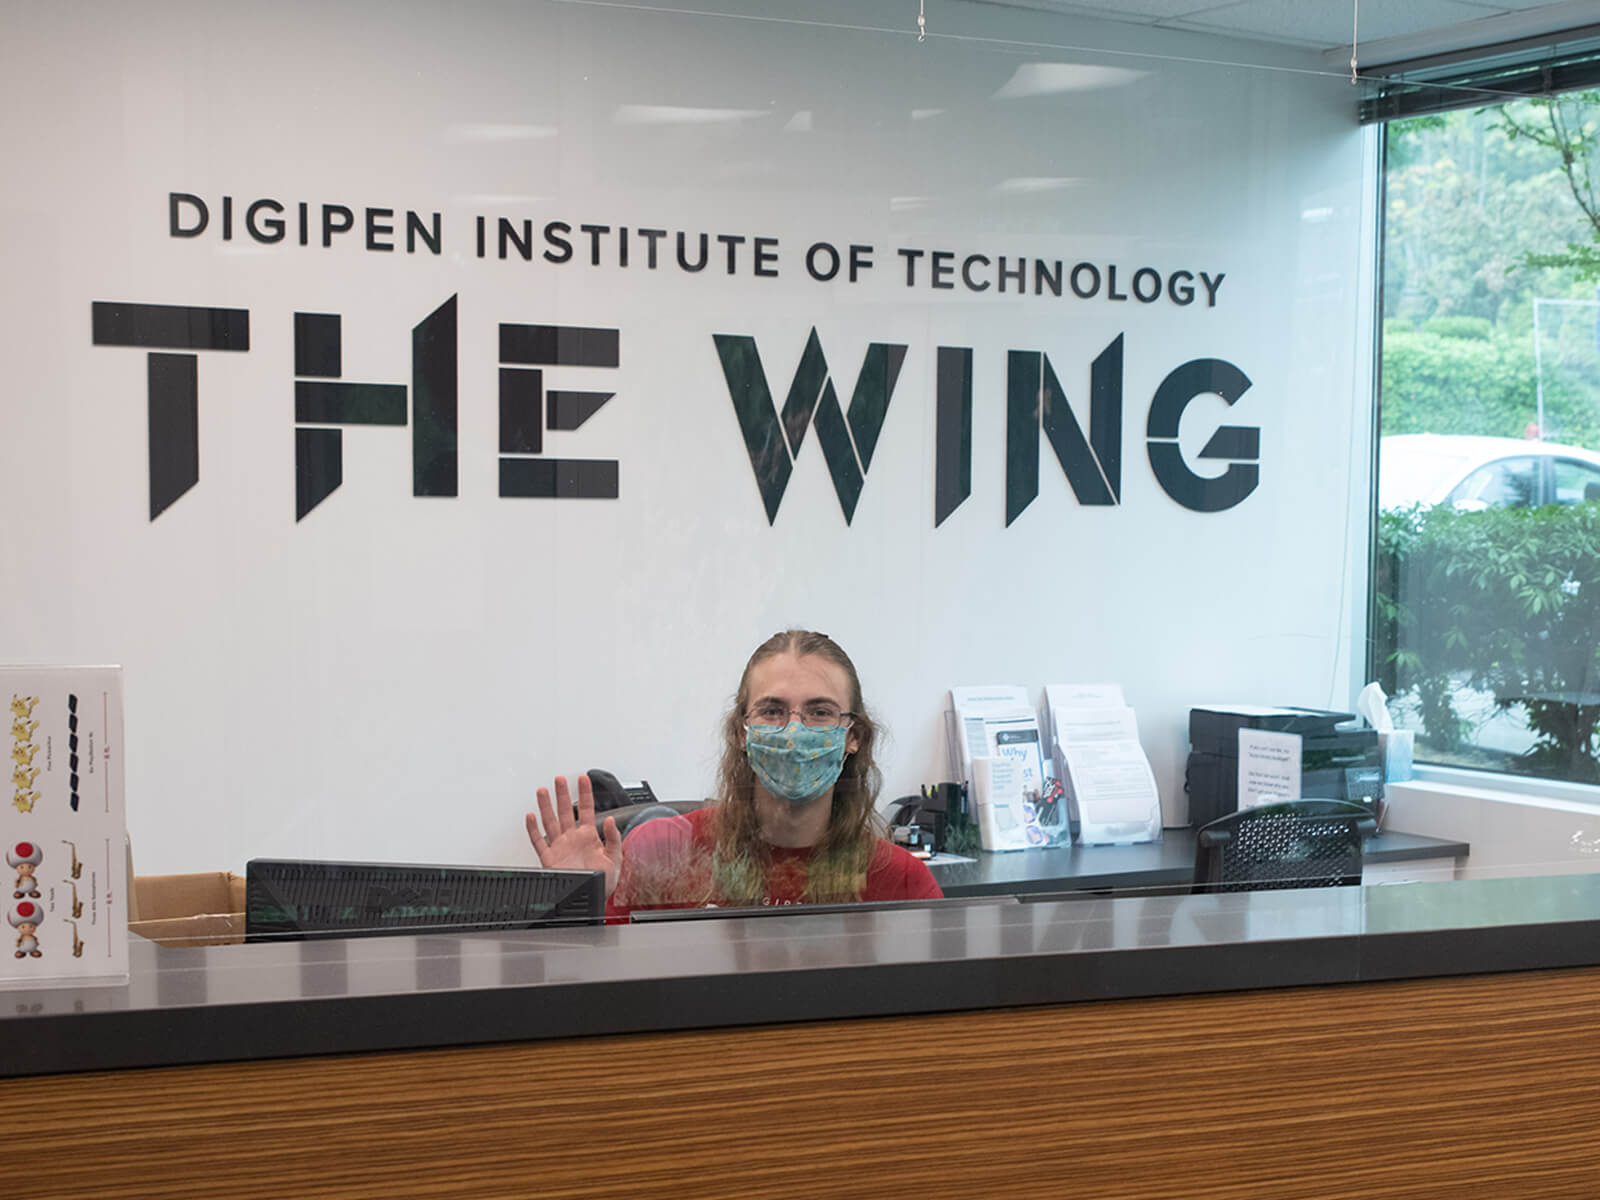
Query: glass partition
{"points": [[432, 406]]}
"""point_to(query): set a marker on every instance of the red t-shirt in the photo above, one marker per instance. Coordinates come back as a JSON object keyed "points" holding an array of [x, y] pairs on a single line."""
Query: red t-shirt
{"points": [[666, 863]]}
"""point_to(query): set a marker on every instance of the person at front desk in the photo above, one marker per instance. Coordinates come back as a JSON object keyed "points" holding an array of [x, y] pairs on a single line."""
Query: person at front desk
{"points": [[794, 821]]}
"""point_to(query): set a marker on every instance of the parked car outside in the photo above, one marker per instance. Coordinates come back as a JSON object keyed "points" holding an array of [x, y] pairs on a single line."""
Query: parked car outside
{"points": [[1474, 473]]}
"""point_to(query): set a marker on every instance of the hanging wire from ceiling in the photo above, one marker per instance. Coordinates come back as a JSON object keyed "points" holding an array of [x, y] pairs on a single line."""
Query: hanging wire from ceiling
{"points": [[1031, 45], [922, 21], [1355, 28]]}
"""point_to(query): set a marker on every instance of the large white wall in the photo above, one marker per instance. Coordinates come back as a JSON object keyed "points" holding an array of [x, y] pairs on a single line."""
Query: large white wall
{"points": [[392, 676]]}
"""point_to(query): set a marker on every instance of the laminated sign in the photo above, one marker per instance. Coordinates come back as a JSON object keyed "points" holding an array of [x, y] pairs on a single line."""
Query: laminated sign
{"points": [[65, 884]]}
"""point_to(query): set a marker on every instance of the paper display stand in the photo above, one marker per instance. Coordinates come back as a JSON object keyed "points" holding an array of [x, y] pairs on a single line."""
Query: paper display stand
{"points": [[1094, 742], [998, 722], [63, 830]]}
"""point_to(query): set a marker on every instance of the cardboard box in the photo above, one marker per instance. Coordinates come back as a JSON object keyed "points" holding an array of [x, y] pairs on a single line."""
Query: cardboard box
{"points": [[189, 910]]}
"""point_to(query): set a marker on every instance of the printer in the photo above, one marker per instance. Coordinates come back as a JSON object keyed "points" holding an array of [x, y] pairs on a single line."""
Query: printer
{"points": [[1339, 756]]}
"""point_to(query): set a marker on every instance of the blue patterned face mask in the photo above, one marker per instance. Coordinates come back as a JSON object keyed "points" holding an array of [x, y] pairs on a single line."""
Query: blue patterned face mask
{"points": [[795, 763]]}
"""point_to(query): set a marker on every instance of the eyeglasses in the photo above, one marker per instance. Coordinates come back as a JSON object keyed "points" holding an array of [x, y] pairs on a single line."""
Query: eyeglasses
{"points": [[813, 714]]}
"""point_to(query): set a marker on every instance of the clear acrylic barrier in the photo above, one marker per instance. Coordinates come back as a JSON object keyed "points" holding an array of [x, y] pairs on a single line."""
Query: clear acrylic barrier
{"points": [[411, 444]]}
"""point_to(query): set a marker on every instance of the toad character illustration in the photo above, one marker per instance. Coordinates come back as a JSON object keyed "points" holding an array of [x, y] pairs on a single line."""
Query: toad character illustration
{"points": [[24, 779], [26, 918], [22, 706], [22, 754], [25, 857], [23, 730]]}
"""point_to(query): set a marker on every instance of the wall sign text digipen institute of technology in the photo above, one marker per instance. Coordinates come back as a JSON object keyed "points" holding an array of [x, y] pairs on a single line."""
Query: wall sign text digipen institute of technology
{"points": [[325, 402]]}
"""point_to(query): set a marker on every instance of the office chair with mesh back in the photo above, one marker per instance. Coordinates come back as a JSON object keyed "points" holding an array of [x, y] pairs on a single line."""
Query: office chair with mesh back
{"points": [[1306, 843]]}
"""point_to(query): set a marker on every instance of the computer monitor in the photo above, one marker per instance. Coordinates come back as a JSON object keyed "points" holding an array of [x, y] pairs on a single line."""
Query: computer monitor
{"points": [[291, 900], [644, 916]]}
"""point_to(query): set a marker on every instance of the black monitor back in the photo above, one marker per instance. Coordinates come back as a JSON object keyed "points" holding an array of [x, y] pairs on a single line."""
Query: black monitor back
{"points": [[290, 899]]}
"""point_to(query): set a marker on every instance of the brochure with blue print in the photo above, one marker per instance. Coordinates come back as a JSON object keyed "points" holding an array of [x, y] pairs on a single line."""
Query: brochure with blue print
{"points": [[998, 721]]}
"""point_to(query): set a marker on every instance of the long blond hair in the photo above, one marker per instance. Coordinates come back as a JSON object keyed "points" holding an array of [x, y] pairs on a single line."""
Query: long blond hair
{"points": [[838, 866]]}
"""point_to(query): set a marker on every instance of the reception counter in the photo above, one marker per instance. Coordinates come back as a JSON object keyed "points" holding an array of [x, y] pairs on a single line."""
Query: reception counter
{"points": [[1052, 1048]]}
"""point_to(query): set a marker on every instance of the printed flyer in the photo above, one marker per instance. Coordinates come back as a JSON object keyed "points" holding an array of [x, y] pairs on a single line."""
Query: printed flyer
{"points": [[63, 830]]}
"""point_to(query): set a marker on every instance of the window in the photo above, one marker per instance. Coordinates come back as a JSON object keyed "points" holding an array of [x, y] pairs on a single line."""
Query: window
{"points": [[1486, 585], [1509, 483], [1575, 482]]}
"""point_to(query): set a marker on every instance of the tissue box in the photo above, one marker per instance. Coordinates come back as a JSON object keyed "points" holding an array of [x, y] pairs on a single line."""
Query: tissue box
{"points": [[1396, 746]]}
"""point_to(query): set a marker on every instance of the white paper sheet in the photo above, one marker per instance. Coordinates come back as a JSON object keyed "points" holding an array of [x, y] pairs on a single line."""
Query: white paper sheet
{"points": [[1269, 767], [1113, 780]]}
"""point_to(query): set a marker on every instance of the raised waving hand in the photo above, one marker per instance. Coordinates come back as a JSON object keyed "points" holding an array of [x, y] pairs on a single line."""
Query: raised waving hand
{"points": [[569, 840]]}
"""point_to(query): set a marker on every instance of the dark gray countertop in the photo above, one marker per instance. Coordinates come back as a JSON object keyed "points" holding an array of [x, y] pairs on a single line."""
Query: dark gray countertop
{"points": [[208, 1004], [1167, 863]]}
